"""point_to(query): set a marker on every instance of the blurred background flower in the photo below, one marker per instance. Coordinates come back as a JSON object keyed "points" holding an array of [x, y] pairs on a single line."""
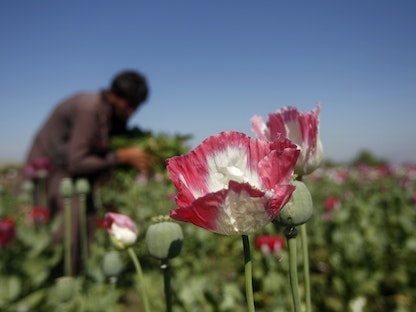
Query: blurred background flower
{"points": [[39, 215], [269, 244], [7, 231], [39, 168]]}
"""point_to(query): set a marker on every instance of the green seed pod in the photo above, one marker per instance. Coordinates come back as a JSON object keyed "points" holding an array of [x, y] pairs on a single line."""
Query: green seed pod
{"points": [[65, 288], [298, 210], [82, 186], [66, 188], [26, 194], [164, 240], [112, 264], [28, 186]]}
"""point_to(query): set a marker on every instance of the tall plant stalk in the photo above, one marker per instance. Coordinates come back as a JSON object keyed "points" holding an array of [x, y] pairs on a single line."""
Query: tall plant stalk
{"points": [[291, 234], [140, 278], [83, 231], [165, 266], [68, 224], [248, 269], [305, 253]]}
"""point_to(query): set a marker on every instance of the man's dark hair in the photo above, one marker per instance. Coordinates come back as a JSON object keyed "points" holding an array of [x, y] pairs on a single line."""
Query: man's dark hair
{"points": [[131, 86]]}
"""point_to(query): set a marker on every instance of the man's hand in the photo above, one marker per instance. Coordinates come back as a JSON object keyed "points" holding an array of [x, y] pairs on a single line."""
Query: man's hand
{"points": [[136, 158]]}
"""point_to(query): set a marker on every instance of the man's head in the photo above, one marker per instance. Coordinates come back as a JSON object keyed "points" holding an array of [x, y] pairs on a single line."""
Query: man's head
{"points": [[127, 92]]}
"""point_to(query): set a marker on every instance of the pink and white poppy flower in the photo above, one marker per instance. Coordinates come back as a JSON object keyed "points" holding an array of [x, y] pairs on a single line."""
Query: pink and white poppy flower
{"points": [[302, 128], [122, 229], [233, 184]]}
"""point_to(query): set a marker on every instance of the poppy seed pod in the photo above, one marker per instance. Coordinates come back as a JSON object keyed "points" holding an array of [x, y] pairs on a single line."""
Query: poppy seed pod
{"points": [[65, 288], [66, 188], [299, 209], [82, 186], [164, 240], [112, 263], [28, 186]]}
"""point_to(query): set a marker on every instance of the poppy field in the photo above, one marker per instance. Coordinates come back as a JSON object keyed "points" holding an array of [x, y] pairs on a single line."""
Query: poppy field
{"points": [[154, 248], [362, 246]]}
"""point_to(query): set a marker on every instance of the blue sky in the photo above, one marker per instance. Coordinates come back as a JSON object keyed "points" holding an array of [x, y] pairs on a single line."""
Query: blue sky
{"points": [[212, 65]]}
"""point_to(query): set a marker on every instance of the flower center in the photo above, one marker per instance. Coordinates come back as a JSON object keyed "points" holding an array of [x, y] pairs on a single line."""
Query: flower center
{"points": [[230, 164]]}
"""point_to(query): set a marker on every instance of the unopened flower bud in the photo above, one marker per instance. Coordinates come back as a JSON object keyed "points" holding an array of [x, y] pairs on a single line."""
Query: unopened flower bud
{"points": [[112, 264], [66, 188], [82, 186], [122, 230], [299, 209], [164, 240]]}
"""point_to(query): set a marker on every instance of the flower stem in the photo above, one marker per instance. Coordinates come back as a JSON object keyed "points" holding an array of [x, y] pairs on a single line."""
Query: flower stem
{"points": [[304, 239], [1, 200], [83, 231], [248, 274], [139, 271], [291, 234], [43, 192], [67, 204], [165, 266]]}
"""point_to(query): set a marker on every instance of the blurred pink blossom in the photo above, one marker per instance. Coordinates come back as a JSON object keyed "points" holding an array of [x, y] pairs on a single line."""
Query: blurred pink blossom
{"points": [[332, 203], [39, 168], [269, 244], [39, 215], [141, 179], [7, 231]]}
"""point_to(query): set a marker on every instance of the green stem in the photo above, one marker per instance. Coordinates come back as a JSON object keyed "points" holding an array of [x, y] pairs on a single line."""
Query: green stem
{"points": [[83, 231], [140, 278], [1, 200], [43, 192], [291, 234], [67, 204], [248, 274], [166, 279], [304, 239]]}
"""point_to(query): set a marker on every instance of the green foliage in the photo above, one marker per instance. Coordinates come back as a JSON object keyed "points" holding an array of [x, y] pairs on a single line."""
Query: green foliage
{"points": [[366, 157], [160, 145], [363, 248]]}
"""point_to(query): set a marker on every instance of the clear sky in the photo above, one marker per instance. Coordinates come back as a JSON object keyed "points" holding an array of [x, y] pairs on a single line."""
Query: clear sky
{"points": [[212, 65]]}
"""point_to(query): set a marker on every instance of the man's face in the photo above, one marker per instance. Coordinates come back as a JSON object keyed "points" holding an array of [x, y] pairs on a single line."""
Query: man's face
{"points": [[122, 108]]}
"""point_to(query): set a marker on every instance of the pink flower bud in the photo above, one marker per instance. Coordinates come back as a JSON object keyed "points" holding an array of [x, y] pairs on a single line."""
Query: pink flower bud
{"points": [[122, 229]]}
